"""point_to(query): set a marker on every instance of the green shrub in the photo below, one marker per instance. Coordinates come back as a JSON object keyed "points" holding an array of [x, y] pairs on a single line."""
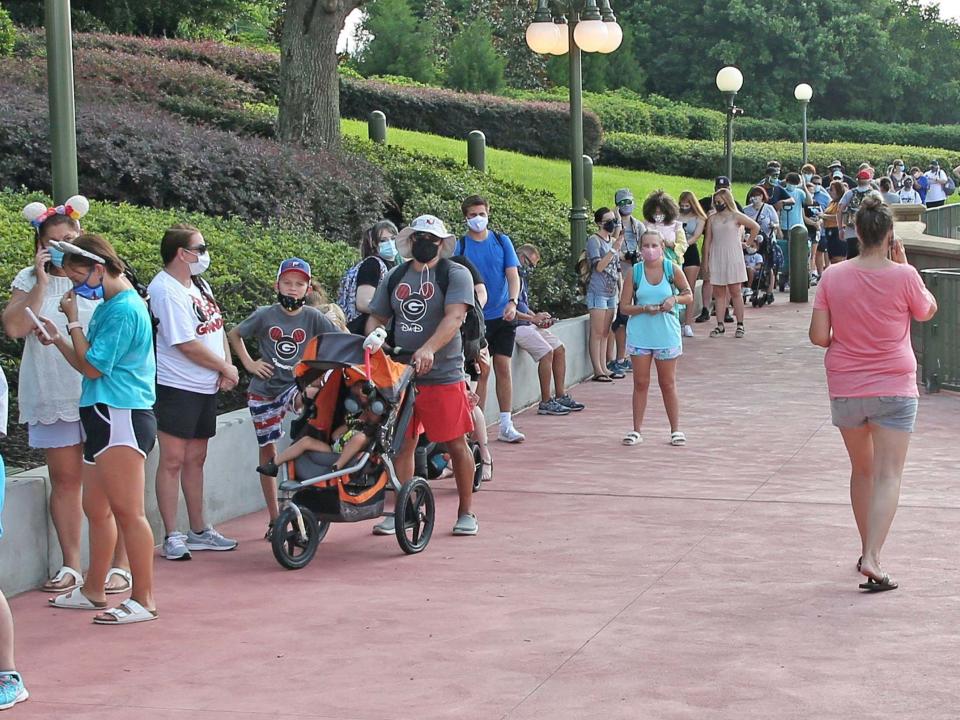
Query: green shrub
{"points": [[426, 184], [143, 156], [8, 34], [474, 64], [704, 158], [243, 269], [854, 131], [534, 128]]}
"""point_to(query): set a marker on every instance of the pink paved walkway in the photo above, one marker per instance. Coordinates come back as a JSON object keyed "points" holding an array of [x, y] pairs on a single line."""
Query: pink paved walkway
{"points": [[714, 581]]}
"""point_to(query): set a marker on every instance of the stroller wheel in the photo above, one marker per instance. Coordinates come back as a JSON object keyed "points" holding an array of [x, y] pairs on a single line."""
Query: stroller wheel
{"points": [[477, 467], [416, 507], [291, 549]]}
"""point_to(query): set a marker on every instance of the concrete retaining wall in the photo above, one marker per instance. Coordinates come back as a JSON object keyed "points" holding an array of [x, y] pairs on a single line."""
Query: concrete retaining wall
{"points": [[29, 547]]}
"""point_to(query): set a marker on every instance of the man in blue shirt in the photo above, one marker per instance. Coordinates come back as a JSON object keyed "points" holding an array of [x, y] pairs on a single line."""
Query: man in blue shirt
{"points": [[495, 258], [821, 199]]}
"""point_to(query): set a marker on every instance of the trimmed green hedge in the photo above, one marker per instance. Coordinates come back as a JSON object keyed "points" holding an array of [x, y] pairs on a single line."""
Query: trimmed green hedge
{"points": [[244, 264], [853, 131], [533, 128], [8, 34], [705, 158]]}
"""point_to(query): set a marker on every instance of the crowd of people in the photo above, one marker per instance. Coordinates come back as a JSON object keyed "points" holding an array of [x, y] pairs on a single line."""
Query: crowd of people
{"points": [[113, 367]]}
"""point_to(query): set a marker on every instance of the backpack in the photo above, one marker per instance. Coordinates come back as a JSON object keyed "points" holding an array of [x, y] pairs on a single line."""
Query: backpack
{"points": [[583, 273], [855, 200], [473, 332], [347, 293], [951, 187]]}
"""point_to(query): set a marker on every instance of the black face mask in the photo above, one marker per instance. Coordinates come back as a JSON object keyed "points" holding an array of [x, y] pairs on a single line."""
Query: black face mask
{"points": [[291, 303], [425, 250], [720, 206], [610, 225]]}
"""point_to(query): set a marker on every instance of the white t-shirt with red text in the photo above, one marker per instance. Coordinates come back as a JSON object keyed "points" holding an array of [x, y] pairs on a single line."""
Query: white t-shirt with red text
{"points": [[184, 314]]}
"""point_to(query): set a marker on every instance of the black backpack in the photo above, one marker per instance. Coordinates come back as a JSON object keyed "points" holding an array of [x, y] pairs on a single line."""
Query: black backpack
{"points": [[472, 332]]}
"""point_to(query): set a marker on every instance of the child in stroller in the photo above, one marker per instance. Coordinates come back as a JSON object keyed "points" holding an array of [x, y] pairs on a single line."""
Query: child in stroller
{"points": [[768, 258]]}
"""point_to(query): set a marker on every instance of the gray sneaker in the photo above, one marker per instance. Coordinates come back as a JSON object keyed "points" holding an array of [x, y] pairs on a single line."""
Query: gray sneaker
{"points": [[386, 527], [569, 403], [552, 407], [209, 539], [466, 525], [175, 547]]}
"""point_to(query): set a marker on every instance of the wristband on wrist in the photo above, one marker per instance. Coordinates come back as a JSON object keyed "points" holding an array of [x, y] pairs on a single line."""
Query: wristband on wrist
{"points": [[74, 325]]}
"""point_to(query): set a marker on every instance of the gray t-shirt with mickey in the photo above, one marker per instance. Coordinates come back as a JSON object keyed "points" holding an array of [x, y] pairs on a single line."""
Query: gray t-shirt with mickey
{"points": [[417, 307]]}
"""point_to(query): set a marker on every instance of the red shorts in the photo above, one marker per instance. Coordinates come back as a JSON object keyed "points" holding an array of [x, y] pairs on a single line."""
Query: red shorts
{"points": [[442, 412]]}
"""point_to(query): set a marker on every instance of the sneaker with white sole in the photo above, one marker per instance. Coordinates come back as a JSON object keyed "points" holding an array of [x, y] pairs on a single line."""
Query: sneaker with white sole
{"points": [[569, 403], [209, 539], [12, 690], [466, 525], [687, 331], [625, 365], [386, 527], [552, 407], [511, 435], [175, 547]]}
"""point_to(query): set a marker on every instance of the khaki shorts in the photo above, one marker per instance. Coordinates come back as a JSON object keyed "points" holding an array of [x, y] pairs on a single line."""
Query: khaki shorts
{"points": [[536, 341]]}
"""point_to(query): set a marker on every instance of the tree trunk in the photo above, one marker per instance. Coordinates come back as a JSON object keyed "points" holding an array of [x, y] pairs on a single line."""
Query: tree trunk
{"points": [[309, 84]]}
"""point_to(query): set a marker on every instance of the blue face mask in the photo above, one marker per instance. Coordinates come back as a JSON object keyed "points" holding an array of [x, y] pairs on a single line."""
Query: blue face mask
{"points": [[388, 249], [56, 257], [86, 291]]}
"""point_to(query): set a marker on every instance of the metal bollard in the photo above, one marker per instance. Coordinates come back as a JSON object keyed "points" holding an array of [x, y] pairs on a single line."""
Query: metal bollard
{"points": [[799, 268], [588, 180], [377, 127], [477, 150]]}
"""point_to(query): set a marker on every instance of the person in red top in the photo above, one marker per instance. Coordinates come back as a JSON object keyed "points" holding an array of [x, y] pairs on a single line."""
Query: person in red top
{"points": [[861, 314]]}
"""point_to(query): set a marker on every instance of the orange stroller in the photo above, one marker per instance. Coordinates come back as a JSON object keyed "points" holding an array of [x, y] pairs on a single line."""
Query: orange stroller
{"points": [[313, 494]]}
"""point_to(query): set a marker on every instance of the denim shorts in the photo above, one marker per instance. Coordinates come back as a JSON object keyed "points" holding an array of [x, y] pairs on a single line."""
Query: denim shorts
{"points": [[658, 354], [596, 301], [893, 413]]}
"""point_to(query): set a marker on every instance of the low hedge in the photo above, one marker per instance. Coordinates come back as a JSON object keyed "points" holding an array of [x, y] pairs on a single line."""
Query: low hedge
{"points": [[533, 128], [853, 131], [143, 156], [243, 269], [705, 158], [422, 183]]}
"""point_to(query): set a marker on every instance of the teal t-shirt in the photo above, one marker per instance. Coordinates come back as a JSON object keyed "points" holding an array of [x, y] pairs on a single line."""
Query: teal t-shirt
{"points": [[121, 348], [653, 332]]}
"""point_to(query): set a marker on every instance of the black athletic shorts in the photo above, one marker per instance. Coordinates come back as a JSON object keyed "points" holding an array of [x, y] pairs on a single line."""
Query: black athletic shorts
{"points": [[619, 320], [501, 335], [691, 257], [836, 245], [105, 427], [185, 414], [853, 247]]}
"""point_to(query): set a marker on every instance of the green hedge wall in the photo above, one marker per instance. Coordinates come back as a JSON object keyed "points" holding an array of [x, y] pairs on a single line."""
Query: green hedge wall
{"points": [[705, 158], [853, 131], [244, 261], [533, 128]]}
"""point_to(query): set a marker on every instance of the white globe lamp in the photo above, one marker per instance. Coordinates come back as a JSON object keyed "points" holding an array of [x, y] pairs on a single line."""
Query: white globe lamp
{"points": [[803, 92], [562, 46], [614, 37], [590, 35], [729, 80], [542, 37]]}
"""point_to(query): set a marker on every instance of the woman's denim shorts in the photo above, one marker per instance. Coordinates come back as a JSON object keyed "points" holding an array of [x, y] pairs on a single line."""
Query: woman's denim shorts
{"points": [[893, 413], [596, 301]]}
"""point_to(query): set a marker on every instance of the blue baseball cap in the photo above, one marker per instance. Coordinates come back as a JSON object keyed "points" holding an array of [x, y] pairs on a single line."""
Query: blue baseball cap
{"points": [[295, 265]]}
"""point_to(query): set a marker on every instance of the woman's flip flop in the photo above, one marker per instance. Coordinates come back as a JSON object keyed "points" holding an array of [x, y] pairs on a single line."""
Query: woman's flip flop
{"points": [[632, 438], [881, 585], [678, 439]]}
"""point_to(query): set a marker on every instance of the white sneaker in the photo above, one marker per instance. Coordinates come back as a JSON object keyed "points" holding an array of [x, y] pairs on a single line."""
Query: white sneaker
{"points": [[209, 539], [511, 435], [175, 547], [687, 331]]}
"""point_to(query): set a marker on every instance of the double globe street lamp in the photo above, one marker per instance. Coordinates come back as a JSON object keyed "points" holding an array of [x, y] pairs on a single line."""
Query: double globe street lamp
{"points": [[590, 28]]}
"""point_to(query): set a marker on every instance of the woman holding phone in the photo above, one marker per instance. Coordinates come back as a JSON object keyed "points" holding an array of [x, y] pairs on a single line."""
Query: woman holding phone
{"points": [[49, 389], [115, 357]]}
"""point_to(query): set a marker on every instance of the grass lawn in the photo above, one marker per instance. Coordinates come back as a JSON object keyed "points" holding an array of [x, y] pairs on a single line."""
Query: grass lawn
{"points": [[544, 173]]}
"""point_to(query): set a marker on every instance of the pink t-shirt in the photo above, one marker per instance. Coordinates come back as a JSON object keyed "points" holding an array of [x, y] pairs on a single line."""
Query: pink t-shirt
{"points": [[870, 354]]}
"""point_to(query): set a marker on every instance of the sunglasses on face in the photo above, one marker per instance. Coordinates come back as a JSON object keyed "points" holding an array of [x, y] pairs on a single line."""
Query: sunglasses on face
{"points": [[426, 237], [198, 250], [625, 201]]}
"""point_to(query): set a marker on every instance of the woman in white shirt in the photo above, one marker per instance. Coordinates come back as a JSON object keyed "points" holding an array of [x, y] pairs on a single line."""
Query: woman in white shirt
{"points": [[49, 389], [936, 182]]}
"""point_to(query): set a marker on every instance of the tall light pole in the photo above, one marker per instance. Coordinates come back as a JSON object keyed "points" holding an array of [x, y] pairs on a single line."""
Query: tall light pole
{"points": [[803, 93], [729, 82], [589, 29], [63, 121]]}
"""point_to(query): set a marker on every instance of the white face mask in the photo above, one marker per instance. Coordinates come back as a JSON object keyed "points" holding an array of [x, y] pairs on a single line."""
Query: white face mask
{"points": [[478, 223], [658, 218], [201, 265], [756, 200]]}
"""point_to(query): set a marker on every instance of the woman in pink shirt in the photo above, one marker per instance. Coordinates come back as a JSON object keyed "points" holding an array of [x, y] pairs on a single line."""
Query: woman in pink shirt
{"points": [[862, 314]]}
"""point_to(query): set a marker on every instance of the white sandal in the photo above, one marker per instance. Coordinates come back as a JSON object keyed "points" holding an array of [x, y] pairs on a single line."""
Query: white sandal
{"points": [[632, 438], [76, 600], [127, 577], [61, 574], [126, 613], [678, 439]]}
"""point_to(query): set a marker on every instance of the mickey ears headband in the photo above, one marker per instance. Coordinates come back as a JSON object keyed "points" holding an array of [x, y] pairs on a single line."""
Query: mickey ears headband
{"points": [[68, 248], [76, 207]]}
